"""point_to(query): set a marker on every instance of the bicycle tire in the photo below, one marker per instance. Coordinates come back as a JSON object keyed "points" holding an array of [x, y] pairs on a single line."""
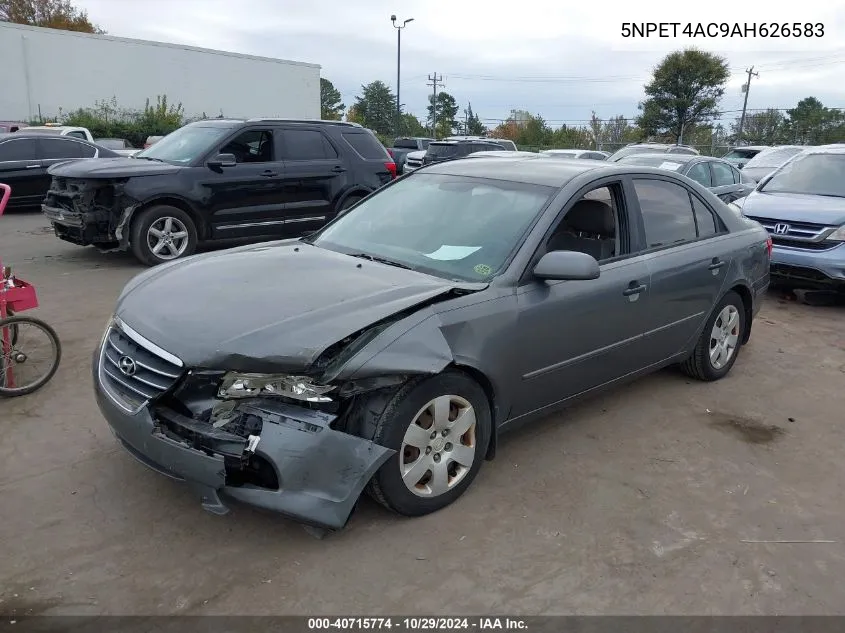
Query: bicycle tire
{"points": [[13, 323]]}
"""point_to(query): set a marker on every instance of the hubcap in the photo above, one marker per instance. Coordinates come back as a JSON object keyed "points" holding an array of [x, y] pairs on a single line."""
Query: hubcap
{"points": [[439, 446], [724, 337], [167, 238]]}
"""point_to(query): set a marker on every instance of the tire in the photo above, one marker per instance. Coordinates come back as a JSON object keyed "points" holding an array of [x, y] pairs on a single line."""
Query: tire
{"points": [[408, 405], [15, 324], [700, 364], [354, 199], [182, 235]]}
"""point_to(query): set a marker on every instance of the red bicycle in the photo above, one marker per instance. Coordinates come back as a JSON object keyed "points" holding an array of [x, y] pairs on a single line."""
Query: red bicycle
{"points": [[22, 368]]}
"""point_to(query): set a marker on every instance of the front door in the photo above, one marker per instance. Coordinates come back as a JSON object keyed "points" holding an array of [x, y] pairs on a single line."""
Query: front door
{"points": [[314, 178], [246, 200], [725, 183], [22, 169]]}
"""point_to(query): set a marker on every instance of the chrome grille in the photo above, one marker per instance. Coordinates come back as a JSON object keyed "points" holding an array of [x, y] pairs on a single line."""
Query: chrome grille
{"points": [[134, 370], [806, 235]]}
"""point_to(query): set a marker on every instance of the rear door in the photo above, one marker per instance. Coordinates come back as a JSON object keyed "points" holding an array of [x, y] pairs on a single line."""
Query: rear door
{"points": [[246, 200], [314, 177], [21, 168], [681, 236], [725, 184]]}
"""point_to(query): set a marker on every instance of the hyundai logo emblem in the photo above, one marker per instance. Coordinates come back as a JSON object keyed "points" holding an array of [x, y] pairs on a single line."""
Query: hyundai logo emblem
{"points": [[127, 366], [781, 228]]}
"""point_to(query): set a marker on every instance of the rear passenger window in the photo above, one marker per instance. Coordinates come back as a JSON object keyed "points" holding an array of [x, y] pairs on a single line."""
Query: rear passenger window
{"points": [[700, 174], [366, 145], [704, 219], [307, 145], [667, 212], [15, 149], [53, 148], [722, 174]]}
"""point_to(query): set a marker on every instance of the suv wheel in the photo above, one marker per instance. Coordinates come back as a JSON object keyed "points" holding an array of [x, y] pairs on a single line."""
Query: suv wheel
{"points": [[162, 233]]}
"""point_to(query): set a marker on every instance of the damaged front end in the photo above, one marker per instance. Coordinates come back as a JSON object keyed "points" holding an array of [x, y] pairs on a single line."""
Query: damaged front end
{"points": [[90, 211]]}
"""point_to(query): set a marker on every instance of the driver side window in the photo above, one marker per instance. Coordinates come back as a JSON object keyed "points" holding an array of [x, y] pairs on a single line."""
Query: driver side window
{"points": [[252, 146], [592, 225]]}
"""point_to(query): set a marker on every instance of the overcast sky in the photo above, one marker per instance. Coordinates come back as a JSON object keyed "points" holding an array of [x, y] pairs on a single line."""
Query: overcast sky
{"points": [[558, 59]]}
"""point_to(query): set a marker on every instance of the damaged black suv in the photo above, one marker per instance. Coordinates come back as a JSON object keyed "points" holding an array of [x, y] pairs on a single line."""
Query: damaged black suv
{"points": [[214, 180]]}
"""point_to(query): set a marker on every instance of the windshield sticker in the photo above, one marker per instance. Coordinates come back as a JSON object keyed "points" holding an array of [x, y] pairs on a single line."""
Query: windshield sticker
{"points": [[452, 253], [669, 165], [483, 269]]}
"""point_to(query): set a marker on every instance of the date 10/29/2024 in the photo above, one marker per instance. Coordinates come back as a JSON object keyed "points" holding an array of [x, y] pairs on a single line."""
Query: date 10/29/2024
{"points": [[723, 29], [416, 624]]}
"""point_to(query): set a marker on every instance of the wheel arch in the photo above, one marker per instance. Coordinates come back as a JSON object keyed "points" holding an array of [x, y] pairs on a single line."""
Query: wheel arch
{"points": [[179, 203], [744, 293], [355, 192], [487, 386]]}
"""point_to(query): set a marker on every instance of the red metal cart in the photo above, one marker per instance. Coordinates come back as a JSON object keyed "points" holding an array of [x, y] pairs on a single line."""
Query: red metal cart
{"points": [[21, 370]]}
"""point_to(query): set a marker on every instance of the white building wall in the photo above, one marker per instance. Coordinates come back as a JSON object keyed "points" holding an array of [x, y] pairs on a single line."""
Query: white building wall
{"points": [[60, 69]]}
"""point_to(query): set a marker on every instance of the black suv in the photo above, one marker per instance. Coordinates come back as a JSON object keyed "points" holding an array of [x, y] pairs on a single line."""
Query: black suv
{"points": [[217, 179], [447, 150]]}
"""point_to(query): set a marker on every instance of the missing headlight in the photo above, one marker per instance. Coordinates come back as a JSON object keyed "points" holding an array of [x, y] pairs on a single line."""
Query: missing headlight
{"points": [[236, 385]]}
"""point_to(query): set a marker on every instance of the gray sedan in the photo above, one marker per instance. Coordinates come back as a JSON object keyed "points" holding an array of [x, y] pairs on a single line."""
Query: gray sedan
{"points": [[408, 334], [718, 175]]}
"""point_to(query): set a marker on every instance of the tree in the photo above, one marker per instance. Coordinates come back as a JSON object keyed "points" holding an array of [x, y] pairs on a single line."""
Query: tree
{"points": [[375, 108], [474, 126], [811, 123], [447, 110], [762, 128], [596, 127], [52, 14], [616, 131], [331, 106], [685, 90], [411, 126]]}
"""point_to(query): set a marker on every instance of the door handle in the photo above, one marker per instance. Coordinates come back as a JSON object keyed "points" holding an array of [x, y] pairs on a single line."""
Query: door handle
{"points": [[338, 169], [269, 174], [33, 166], [716, 265], [634, 290]]}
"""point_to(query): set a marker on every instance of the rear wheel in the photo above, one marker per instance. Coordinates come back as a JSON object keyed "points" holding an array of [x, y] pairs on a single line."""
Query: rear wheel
{"points": [[720, 342], [351, 200], [30, 353], [162, 233], [440, 428]]}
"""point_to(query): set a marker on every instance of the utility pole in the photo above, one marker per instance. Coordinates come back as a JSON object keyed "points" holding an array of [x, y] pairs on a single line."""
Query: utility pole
{"points": [[398, 124], [745, 88], [434, 80]]}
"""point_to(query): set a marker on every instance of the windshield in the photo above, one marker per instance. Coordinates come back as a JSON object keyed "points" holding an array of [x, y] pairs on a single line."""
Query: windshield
{"points": [[453, 227], [819, 174], [663, 162], [774, 157], [628, 151], [185, 144], [110, 143], [442, 150], [561, 154], [740, 154], [406, 143]]}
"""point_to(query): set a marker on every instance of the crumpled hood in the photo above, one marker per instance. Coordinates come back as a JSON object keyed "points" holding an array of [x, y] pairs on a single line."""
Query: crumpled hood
{"points": [[795, 207], [112, 168], [269, 307]]}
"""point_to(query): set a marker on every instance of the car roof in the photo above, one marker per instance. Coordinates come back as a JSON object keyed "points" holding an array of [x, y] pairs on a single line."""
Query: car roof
{"points": [[23, 135], [504, 153], [758, 148], [674, 158], [537, 170], [825, 149]]}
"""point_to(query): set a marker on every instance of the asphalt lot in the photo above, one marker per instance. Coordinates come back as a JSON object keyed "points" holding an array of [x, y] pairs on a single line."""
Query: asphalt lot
{"points": [[648, 500]]}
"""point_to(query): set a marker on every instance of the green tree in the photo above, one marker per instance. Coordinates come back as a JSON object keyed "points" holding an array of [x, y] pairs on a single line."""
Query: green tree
{"points": [[411, 126], [473, 124], [375, 108], [53, 14], [763, 128], [811, 123], [684, 91], [331, 105], [447, 110]]}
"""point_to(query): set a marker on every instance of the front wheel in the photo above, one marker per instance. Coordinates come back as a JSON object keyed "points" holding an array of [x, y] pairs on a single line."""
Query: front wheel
{"points": [[720, 342], [162, 233], [440, 428], [30, 353]]}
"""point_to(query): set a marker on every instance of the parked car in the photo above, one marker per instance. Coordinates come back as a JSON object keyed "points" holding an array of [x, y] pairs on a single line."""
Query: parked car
{"points": [[25, 159], [770, 159], [152, 140], [505, 143], [404, 146], [504, 153], [11, 126], [448, 150], [119, 145], [652, 148], [413, 160], [722, 178], [576, 153], [741, 155], [60, 130], [802, 205], [390, 349], [218, 179]]}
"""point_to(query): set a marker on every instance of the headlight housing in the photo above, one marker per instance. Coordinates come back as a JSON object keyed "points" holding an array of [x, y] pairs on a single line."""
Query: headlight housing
{"points": [[838, 235], [237, 385]]}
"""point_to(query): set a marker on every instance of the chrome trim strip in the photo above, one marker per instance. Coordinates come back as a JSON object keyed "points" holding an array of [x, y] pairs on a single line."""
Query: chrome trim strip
{"points": [[146, 343], [229, 227]]}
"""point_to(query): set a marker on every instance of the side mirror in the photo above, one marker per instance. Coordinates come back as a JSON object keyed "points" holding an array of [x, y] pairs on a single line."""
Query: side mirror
{"points": [[223, 160], [566, 265]]}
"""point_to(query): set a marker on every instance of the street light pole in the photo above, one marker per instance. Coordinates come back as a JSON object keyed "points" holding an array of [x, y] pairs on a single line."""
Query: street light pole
{"points": [[398, 67]]}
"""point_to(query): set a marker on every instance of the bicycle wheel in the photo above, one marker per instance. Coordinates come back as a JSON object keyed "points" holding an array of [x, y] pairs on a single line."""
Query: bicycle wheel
{"points": [[30, 353]]}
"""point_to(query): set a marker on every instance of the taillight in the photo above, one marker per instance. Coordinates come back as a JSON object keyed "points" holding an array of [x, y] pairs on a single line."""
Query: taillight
{"points": [[769, 247], [391, 167]]}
